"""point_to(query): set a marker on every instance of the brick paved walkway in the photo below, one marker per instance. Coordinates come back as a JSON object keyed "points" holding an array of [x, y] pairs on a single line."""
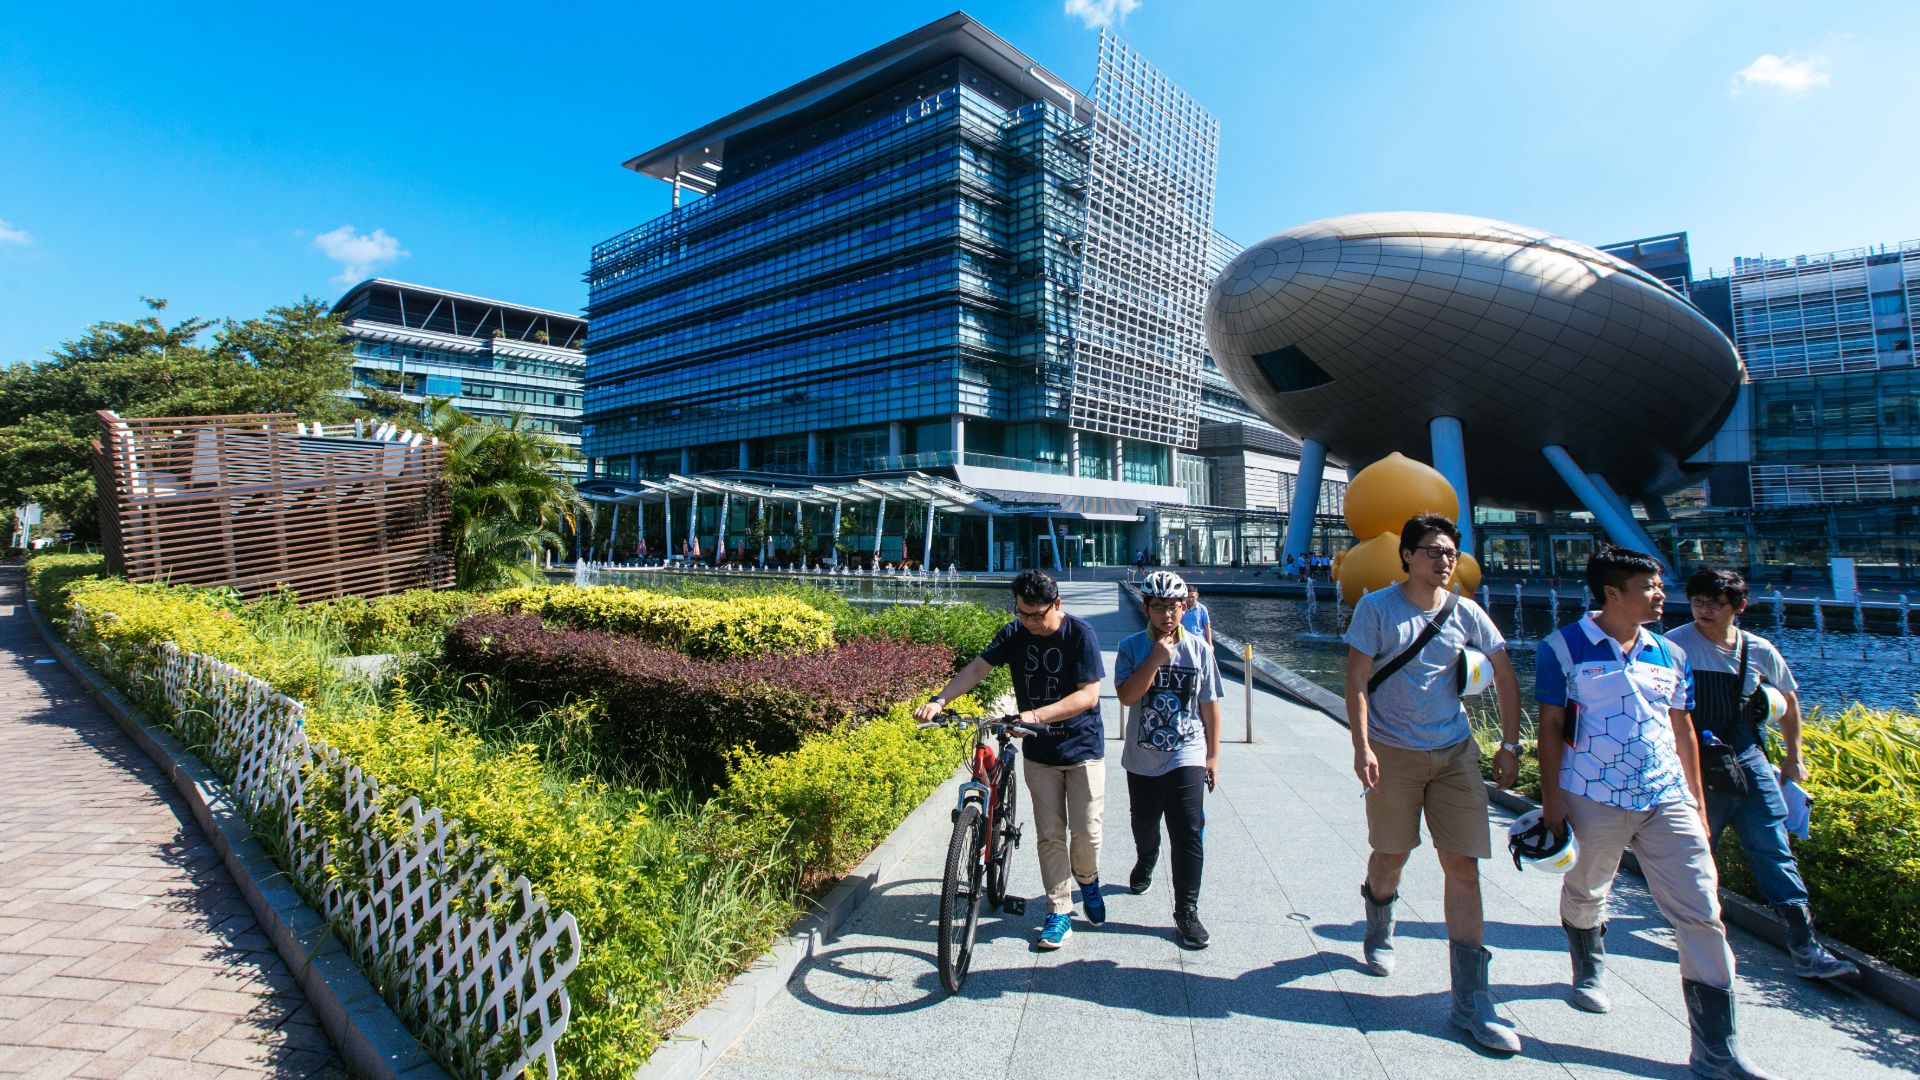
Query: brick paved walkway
{"points": [[125, 949]]}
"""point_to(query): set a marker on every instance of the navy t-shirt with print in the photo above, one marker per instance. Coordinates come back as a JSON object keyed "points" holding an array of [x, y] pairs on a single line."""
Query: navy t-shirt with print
{"points": [[1045, 669]]}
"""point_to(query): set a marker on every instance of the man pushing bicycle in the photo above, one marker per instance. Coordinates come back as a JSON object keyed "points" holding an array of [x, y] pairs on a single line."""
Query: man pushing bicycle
{"points": [[1057, 669]]}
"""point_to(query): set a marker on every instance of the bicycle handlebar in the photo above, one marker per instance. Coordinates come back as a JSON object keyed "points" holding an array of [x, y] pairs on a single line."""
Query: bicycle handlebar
{"points": [[996, 724]]}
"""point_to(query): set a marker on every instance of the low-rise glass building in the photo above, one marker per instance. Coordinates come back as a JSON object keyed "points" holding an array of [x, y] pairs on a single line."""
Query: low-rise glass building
{"points": [[490, 358]]}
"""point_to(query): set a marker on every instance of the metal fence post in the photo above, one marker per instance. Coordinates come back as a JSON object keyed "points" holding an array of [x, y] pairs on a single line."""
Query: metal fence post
{"points": [[1246, 650]]}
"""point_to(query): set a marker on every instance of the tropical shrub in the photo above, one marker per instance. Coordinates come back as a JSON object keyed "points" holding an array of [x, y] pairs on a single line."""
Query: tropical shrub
{"points": [[1864, 749], [49, 576], [667, 714], [966, 629], [705, 628], [827, 803]]}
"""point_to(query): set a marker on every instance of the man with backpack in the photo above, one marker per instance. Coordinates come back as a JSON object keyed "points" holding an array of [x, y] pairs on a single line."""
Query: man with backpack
{"points": [[1415, 755], [1730, 667], [1619, 765]]}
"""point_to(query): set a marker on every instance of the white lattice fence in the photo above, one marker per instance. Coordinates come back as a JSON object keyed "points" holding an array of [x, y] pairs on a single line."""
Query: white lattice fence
{"points": [[478, 960]]}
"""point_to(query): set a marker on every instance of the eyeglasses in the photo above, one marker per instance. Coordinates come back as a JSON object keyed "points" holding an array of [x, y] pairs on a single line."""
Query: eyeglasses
{"points": [[1030, 616], [1706, 604], [1165, 605], [1439, 552]]}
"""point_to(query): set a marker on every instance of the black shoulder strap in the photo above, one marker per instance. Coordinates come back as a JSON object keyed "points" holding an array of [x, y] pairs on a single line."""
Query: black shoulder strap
{"points": [[1427, 634], [1740, 680]]}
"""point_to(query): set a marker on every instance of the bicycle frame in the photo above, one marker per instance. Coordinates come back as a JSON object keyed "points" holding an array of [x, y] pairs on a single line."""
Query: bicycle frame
{"points": [[990, 766]]}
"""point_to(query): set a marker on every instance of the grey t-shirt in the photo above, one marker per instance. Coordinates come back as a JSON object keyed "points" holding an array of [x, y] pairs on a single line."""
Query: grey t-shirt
{"points": [[1764, 662], [1418, 708], [1164, 731]]}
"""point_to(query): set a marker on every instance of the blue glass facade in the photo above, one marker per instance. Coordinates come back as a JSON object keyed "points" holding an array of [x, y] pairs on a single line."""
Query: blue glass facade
{"points": [[852, 286]]}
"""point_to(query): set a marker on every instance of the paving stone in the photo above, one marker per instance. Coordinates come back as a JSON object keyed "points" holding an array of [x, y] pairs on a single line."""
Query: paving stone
{"points": [[125, 948]]}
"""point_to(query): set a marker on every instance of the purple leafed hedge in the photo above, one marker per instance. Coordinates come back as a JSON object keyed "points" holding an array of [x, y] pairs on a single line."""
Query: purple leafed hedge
{"points": [[674, 717]]}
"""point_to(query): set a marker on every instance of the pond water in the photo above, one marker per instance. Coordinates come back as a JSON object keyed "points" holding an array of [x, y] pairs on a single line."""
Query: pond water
{"points": [[1827, 661]]}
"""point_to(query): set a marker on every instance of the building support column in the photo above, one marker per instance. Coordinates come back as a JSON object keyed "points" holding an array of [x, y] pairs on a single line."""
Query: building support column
{"points": [[926, 546], [633, 467], [1119, 458], [686, 460], [834, 544], [991, 554], [896, 437], [1073, 453], [1053, 541], [1656, 506], [720, 533], [666, 531], [1450, 458], [743, 454], [1306, 499], [879, 530], [613, 536], [957, 426], [813, 452], [1600, 501], [693, 524]]}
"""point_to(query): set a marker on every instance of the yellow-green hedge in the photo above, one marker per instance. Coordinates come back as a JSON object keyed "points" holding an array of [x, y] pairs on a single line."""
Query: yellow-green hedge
{"points": [[699, 627], [50, 576]]}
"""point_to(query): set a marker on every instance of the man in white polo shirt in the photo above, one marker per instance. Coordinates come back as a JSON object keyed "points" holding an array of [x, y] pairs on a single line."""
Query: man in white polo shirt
{"points": [[1619, 765]]}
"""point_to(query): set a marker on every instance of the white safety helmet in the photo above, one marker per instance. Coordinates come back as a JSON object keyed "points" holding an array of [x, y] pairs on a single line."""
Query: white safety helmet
{"points": [[1776, 705], [1534, 845], [1476, 672], [1164, 585]]}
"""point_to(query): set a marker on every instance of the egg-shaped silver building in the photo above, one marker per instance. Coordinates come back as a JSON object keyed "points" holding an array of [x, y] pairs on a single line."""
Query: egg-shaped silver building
{"points": [[1538, 367]]}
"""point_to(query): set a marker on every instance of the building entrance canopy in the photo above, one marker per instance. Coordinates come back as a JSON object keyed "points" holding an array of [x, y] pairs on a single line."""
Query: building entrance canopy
{"points": [[945, 495]]}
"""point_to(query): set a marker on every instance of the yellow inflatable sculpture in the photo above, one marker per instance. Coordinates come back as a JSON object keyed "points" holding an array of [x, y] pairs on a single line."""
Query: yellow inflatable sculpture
{"points": [[1380, 499]]}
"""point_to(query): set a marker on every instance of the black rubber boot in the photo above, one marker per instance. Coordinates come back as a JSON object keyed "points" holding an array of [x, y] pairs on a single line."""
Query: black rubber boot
{"points": [[1589, 951], [1716, 1053], [1811, 960], [1473, 1010], [1378, 946]]}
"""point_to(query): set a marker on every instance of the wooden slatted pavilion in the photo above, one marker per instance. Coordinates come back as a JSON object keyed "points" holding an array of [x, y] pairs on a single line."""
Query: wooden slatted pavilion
{"points": [[262, 501]]}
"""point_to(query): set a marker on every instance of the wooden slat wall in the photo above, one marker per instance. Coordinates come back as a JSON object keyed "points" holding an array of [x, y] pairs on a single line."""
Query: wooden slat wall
{"points": [[254, 502]]}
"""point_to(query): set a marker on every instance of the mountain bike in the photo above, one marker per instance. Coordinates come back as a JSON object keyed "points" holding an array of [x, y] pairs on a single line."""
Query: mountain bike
{"points": [[986, 829]]}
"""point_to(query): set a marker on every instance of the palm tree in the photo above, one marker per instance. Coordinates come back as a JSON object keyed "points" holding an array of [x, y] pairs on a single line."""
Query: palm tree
{"points": [[509, 497]]}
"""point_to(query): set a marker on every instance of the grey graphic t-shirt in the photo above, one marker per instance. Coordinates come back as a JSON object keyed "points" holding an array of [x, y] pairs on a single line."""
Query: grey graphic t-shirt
{"points": [[1163, 728], [1418, 708]]}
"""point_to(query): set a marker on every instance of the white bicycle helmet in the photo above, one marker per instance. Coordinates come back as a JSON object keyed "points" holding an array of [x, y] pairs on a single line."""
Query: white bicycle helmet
{"points": [[1164, 585], [1476, 671], [1534, 845]]}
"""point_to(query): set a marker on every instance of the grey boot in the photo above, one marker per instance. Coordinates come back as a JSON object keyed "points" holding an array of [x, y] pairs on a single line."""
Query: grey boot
{"points": [[1473, 1010], [1589, 951], [1378, 946], [1715, 1053], [1811, 960]]}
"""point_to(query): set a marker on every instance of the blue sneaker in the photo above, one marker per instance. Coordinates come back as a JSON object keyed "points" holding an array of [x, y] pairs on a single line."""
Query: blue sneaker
{"points": [[1096, 904], [1055, 931]]}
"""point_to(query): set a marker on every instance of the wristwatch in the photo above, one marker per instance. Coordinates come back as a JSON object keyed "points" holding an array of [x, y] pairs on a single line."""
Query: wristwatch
{"points": [[1511, 748]]}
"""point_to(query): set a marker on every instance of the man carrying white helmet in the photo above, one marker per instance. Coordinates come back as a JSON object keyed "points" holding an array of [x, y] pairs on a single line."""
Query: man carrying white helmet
{"points": [[1732, 670], [1166, 678], [1414, 752]]}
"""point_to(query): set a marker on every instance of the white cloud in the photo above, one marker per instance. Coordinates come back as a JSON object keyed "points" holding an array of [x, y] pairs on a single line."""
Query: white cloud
{"points": [[1099, 13], [1783, 72], [11, 235], [357, 255]]}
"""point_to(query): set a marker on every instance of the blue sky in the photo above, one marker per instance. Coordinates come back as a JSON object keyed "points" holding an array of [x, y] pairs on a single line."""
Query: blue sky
{"points": [[230, 157]]}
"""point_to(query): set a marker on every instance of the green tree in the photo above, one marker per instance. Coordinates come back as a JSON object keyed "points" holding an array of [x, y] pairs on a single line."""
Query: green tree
{"points": [[293, 359], [509, 498]]}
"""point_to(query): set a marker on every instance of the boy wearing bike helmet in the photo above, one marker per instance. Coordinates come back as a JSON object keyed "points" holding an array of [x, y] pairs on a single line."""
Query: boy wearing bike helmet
{"points": [[1619, 765], [1415, 755], [1730, 666], [1057, 670], [1166, 679]]}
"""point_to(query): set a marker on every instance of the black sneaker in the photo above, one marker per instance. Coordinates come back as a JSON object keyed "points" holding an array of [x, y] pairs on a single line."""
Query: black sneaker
{"points": [[1193, 933], [1141, 879]]}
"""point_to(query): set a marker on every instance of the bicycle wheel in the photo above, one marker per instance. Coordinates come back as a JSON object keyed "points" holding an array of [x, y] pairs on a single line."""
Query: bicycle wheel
{"points": [[960, 898], [1006, 820]]}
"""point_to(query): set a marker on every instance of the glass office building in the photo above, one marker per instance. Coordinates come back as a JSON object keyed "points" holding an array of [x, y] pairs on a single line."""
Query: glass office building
{"points": [[491, 359], [935, 258]]}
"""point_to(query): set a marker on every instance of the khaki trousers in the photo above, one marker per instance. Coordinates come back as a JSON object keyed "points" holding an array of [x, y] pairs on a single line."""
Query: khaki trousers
{"points": [[1672, 847], [1066, 797]]}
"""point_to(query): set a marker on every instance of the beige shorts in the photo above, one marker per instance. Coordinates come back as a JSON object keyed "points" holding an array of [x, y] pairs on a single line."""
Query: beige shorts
{"points": [[1445, 784]]}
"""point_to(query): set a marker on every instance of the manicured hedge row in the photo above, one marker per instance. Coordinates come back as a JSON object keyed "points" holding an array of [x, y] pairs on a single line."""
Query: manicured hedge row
{"points": [[49, 576], [966, 629], [412, 621], [674, 716], [700, 627]]}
